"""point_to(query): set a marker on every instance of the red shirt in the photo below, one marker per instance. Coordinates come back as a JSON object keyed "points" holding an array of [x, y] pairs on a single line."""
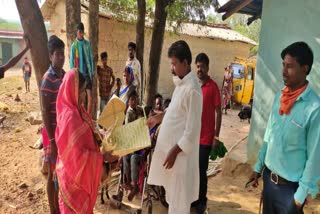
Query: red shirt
{"points": [[211, 100]]}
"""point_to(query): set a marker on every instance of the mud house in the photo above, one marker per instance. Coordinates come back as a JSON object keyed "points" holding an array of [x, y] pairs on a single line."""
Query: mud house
{"points": [[11, 43], [221, 45]]}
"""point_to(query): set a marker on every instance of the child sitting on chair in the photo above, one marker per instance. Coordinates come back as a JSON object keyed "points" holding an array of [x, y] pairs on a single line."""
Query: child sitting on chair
{"points": [[157, 108], [131, 162]]}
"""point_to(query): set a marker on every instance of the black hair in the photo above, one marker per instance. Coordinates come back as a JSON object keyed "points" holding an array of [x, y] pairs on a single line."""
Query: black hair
{"points": [[133, 94], [104, 55], [202, 57], [80, 27], [180, 50], [82, 79], [147, 110], [166, 103], [132, 45], [54, 43], [118, 80], [158, 96], [301, 51], [128, 69]]}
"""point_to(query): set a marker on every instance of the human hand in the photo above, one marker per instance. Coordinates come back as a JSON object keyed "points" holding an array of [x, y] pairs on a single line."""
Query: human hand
{"points": [[298, 205], [109, 157], [307, 200], [171, 157], [215, 143], [254, 179], [152, 121]]}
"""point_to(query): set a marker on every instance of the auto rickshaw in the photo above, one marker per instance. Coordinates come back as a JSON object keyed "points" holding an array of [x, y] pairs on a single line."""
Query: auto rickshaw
{"points": [[243, 71]]}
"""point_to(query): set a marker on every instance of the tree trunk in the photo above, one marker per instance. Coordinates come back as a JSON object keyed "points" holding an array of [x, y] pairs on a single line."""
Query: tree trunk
{"points": [[33, 26], [73, 18], [156, 49], [140, 39], [94, 40]]}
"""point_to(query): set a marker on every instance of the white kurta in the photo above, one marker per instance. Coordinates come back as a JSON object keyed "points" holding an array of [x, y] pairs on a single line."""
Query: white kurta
{"points": [[181, 125]]}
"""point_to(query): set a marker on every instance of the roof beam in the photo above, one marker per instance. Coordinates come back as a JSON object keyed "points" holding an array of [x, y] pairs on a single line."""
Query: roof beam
{"points": [[253, 18], [225, 6], [236, 9]]}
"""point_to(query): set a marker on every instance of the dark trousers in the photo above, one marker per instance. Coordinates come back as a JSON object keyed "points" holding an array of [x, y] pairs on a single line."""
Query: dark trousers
{"points": [[203, 166], [278, 198]]}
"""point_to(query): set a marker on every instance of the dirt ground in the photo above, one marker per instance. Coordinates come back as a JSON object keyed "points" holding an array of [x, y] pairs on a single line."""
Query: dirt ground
{"points": [[22, 187]]}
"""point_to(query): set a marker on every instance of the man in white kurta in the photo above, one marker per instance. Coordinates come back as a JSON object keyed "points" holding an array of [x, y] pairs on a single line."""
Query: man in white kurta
{"points": [[180, 127]]}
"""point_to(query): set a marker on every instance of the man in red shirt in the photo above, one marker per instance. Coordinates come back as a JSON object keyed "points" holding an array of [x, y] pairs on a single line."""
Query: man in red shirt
{"points": [[210, 125]]}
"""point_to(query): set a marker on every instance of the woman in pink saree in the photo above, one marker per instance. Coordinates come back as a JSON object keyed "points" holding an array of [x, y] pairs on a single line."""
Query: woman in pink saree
{"points": [[79, 161]]}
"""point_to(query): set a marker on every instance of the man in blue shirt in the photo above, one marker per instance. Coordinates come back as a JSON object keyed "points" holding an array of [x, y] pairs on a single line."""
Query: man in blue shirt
{"points": [[289, 158], [81, 58]]}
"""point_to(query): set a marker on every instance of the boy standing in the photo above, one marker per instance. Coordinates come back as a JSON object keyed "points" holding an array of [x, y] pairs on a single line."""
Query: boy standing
{"points": [[81, 58], [26, 71], [106, 80]]}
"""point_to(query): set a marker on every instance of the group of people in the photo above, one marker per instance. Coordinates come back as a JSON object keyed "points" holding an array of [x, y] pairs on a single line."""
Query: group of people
{"points": [[288, 160], [131, 78], [190, 129], [70, 138]]}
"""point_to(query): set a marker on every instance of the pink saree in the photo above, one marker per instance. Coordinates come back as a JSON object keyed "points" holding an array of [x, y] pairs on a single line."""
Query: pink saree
{"points": [[79, 162]]}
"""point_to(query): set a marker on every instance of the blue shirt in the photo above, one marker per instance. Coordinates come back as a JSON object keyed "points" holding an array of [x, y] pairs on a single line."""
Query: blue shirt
{"points": [[85, 57], [291, 146]]}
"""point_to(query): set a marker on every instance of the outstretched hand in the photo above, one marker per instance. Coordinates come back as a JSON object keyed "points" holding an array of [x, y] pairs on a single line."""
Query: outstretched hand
{"points": [[109, 157], [154, 120]]}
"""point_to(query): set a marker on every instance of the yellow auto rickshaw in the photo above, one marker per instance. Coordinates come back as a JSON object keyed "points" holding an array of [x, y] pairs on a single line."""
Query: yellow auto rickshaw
{"points": [[243, 71]]}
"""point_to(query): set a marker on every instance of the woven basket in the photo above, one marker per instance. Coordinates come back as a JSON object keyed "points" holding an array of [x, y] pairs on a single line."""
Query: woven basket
{"points": [[127, 139], [113, 113]]}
